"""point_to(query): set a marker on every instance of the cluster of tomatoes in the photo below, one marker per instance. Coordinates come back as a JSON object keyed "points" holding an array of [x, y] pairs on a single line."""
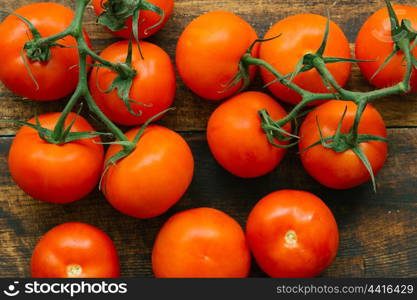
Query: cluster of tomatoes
{"points": [[282, 228]]}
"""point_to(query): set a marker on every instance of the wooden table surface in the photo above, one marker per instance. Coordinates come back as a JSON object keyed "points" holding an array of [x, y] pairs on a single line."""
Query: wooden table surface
{"points": [[378, 232]]}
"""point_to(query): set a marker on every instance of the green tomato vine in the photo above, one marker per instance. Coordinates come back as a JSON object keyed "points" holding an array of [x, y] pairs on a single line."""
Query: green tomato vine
{"points": [[404, 38], [115, 14]]}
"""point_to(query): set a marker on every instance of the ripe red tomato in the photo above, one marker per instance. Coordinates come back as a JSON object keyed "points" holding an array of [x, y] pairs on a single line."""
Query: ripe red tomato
{"points": [[75, 250], [201, 242], [56, 78], [154, 84], [292, 234], [236, 138], [146, 18], [209, 52], [374, 43], [303, 34], [55, 173], [153, 177], [341, 170]]}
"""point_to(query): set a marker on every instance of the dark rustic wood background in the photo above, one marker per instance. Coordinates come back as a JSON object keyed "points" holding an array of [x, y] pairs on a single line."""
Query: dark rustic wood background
{"points": [[378, 232]]}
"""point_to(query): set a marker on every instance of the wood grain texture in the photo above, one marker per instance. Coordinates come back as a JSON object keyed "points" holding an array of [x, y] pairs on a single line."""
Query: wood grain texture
{"points": [[378, 232], [192, 112]]}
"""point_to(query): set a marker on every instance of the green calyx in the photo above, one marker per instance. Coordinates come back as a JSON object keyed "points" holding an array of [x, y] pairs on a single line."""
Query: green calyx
{"points": [[311, 60], [275, 131], [124, 81], [341, 142], [399, 30], [36, 49], [404, 38], [242, 76], [123, 85], [124, 69], [116, 12], [66, 136], [128, 146]]}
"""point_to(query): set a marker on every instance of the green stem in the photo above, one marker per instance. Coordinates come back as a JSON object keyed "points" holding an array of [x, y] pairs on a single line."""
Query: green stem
{"points": [[98, 58], [401, 87], [357, 97], [321, 67], [405, 48], [56, 37], [355, 127], [59, 126], [75, 30], [82, 79], [110, 125], [294, 112], [124, 70], [77, 24], [384, 92], [360, 98], [350, 140], [249, 60]]}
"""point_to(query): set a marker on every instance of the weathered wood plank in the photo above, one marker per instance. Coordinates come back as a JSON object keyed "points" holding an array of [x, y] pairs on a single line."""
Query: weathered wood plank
{"points": [[378, 231], [193, 112]]}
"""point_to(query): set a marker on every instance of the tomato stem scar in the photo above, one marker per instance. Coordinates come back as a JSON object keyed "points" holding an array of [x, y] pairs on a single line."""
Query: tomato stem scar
{"points": [[291, 237], [74, 270]]}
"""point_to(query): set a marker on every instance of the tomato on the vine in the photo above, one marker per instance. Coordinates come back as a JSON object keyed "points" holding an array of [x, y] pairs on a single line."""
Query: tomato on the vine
{"points": [[147, 19], [297, 36], [153, 87], [236, 138], [56, 173], [152, 178], [209, 52], [201, 242], [345, 169], [75, 250], [374, 43], [37, 80], [292, 234]]}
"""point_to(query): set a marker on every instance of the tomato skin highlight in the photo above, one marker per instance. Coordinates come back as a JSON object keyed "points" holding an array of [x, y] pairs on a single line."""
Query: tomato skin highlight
{"points": [[292, 234], [302, 34], [374, 43], [236, 139], [56, 78], [75, 244], [201, 242], [55, 173], [153, 177], [146, 19], [154, 84], [209, 51], [341, 170]]}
